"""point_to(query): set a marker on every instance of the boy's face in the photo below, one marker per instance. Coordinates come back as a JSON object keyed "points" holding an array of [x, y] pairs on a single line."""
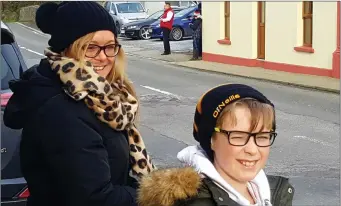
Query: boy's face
{"points": [[239, 163]]}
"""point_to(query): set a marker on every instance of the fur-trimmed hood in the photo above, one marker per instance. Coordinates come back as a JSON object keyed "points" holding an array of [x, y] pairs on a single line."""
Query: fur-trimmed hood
{"points": [[165, 187]]}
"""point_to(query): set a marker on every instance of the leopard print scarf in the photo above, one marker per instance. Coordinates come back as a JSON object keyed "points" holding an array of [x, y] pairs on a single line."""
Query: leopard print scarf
{"points": [[112, 104]]}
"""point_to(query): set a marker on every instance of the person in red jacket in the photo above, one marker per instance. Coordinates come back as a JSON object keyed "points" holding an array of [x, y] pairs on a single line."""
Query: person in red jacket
{"points": [[166, 24]]}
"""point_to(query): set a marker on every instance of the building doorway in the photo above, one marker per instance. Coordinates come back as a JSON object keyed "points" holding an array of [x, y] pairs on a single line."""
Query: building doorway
{"points": [[261, 30]]}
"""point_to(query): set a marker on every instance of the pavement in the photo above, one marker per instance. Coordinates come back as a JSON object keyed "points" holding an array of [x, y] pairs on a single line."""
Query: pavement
{"points": [[306, 149], [302, 80]]}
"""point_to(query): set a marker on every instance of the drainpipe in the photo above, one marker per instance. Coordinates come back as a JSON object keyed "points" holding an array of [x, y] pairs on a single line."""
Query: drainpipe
{"points": [[336, 53]]}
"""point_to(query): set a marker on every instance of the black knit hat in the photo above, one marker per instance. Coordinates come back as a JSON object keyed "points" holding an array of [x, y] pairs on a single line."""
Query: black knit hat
{"points": [[68, 21], [210, 106]]}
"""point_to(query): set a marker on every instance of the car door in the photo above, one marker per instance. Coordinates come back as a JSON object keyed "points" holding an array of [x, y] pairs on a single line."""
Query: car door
{"points": [[13, 185]]}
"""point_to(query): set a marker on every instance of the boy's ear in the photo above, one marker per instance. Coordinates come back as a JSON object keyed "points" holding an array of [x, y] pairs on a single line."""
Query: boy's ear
{"points": [[212, 142]]}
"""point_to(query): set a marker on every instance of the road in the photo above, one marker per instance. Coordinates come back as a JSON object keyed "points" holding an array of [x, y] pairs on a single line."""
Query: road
{"points": [[185, 45], [306, 149]]}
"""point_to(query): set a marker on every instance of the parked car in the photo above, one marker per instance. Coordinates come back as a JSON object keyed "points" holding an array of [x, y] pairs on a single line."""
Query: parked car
{"points": [[14, 190], [125, 12], [180, 29], [140, 29]]}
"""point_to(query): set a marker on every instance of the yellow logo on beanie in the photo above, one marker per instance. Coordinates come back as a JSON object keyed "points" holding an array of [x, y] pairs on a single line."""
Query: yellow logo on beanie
{"points": [[222, 105]]}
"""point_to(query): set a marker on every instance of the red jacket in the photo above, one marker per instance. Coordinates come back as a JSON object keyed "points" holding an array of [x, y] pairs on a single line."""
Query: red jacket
{"points": [[168, 24]]}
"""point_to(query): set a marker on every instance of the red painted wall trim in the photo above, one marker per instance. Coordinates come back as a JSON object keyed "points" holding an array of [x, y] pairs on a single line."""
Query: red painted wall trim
{"points": [[267, 65], [336, 53]]}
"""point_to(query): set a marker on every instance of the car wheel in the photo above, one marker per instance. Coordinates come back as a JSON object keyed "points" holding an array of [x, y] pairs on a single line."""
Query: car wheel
{"points": [[144, 33], [176, 34]]}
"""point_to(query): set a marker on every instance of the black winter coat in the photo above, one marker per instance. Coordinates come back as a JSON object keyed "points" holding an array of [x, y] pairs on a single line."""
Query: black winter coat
{"points": [[68, 156], [196, 26]]}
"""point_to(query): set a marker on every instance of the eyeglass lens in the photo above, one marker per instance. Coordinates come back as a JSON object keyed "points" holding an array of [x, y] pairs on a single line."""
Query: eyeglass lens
{"points": [[109, 50], [242, 138]]}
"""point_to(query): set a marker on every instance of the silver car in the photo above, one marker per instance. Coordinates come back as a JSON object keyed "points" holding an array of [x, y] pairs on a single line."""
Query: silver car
{"points": [[125, 12]]}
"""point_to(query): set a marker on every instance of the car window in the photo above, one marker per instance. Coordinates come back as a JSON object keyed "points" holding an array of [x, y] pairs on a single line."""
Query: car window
{"points": [[156, 15], [183, 12], [10, 65], [130, 8], [112, 9]]}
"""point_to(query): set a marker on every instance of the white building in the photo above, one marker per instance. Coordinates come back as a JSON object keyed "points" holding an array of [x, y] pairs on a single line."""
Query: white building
{"points": [[299, 37]]}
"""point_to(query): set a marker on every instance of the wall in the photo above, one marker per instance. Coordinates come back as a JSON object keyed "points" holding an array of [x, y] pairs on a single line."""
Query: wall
{"points": [[242, 16], [284, 31], [153, 6]]}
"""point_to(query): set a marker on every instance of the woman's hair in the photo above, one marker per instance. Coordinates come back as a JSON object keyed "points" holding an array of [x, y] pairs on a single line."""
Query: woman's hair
{"points": [[259, 111], [77, 51]]}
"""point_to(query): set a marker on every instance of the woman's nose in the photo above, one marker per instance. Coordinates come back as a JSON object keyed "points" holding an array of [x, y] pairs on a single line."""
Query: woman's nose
{"points": [[101, 56]]}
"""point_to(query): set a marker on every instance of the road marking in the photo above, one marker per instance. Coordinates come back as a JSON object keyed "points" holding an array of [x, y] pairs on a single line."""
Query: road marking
{"points": [[160, 91], [33, 30], [316, 141], [21, 47]]}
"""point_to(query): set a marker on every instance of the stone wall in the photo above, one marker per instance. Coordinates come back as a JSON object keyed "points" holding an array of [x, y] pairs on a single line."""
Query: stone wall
{"points": [[22, 10], [27, 14]]}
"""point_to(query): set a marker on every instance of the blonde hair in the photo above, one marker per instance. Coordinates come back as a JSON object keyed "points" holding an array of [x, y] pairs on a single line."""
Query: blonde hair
{"points": [[77, 51], [258, 110]]}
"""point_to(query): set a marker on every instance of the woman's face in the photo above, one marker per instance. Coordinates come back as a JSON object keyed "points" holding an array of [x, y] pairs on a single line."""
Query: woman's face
{"points": [[239, 163], [102, 63]]}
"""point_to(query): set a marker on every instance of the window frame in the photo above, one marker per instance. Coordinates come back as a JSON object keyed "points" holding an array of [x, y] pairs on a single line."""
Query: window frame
{"points": [[306, 16], [227, 20]]}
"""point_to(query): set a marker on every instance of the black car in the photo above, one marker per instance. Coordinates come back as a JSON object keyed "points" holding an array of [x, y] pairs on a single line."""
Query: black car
{"points": [[14, 190], [139, 29]]}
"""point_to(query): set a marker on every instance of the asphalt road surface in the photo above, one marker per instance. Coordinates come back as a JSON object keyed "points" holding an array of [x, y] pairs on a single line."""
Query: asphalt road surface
{"points": [[306, 149]]}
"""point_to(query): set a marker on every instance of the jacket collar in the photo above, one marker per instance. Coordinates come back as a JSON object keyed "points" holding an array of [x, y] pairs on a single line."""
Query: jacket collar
{"points": [[167, 186], [169, 9]]}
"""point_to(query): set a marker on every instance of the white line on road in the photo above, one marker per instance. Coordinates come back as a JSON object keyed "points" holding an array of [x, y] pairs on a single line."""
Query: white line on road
{"points": [[33, 30], [316, 141], [161, 91], [21, 47]]}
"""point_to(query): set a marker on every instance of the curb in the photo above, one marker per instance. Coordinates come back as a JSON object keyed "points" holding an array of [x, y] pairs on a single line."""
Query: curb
{"points": [[153, 58], [334, 91]]}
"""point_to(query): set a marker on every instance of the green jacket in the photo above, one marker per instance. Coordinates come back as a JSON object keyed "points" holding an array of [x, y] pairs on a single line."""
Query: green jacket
{"points": [[185, 187]]}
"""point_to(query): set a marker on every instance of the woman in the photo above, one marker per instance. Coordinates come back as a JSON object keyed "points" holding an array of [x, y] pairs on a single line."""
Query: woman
{"points": [[235, 126], [77, 110]]}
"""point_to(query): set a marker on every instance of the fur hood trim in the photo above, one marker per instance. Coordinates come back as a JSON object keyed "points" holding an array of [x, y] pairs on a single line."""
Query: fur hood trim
{"points": [[165, 187]]}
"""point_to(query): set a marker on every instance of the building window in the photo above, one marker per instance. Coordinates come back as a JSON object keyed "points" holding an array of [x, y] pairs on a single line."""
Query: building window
{"points": [[307, 23], [227, 19]]}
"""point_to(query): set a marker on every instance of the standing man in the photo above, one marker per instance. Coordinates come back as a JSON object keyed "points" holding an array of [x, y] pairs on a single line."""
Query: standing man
{"points": [[166, 25]]}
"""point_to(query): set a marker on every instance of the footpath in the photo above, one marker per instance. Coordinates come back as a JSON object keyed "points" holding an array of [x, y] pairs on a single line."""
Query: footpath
{"points": [[181, 59], [301, 80]]}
